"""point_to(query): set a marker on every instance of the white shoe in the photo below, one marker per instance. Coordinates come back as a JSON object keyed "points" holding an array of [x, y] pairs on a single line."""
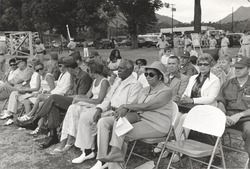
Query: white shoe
{"points": [[9, 122], [83, 158], [6, 115], [98, 165]]}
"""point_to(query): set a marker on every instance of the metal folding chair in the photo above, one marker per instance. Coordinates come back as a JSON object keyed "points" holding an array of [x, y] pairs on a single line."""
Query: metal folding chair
{"points": [[152, 141], [233, 134], [204, 119]]}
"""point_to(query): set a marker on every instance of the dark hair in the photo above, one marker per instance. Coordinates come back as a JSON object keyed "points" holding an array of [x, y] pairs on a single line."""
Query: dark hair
{"points": [[175, 57], [193, 60], [113, 54], [12, 60], [96, 68], [143, 62]]}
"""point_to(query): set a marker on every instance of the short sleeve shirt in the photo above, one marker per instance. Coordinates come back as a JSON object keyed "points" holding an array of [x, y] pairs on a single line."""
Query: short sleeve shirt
{"points": [[234, 97]]}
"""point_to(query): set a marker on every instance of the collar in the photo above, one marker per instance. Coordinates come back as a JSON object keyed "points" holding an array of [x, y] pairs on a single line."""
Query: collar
{"points": [[128, 80], [208, 75]]}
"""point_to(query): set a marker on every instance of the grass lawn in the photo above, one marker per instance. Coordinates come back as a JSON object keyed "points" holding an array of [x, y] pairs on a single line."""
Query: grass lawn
{"points": [[18, 150]]}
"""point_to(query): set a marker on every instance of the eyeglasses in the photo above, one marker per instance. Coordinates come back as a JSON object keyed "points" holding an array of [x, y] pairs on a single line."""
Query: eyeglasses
{"points": [[12, 64], [150, 74], [203, 64]]}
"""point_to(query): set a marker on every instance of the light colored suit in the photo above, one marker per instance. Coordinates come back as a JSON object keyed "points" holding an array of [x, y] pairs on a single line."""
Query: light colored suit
{"points": [[209, 89]]}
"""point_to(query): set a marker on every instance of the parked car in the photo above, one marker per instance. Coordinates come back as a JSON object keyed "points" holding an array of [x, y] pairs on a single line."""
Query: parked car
{"points": [[103, 44], [234, 39]]}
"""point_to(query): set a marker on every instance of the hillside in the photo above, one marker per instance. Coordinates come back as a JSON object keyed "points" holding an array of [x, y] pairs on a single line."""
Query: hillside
{"points": [[166, 19], [241, 14]]}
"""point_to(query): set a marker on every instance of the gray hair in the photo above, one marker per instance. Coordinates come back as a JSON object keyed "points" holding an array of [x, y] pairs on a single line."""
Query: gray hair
{"points": [[128, 63]]}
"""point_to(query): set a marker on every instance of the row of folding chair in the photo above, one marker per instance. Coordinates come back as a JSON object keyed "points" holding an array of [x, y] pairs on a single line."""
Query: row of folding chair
{"points": [[202, 118]]}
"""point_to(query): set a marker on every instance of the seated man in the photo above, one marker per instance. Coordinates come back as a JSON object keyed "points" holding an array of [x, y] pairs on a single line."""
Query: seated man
{"points": [[11, 73], [174, 79], [234, 100], [151, 117], [56, 105]]}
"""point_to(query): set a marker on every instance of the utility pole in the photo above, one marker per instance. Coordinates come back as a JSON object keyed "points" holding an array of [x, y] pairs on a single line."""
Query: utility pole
{"points": [[173, 9], [232, 19]]}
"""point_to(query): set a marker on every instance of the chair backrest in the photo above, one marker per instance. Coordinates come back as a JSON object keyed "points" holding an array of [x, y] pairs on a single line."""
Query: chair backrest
{"points": [[175, 115], [206, 119]]}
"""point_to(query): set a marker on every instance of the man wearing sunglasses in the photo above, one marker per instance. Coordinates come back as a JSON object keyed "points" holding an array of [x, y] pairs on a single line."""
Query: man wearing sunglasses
{"points": [[234, 100], [21, 75], [9, 75]]}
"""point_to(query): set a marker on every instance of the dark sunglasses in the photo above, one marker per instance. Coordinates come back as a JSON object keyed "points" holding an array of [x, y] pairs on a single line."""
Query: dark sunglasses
{"points": [[203, 64], [60, 65], [37, 70], [150, 74], [12, 64]]}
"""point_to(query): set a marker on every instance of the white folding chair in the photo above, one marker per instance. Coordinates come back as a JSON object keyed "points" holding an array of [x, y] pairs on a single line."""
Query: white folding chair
{"points": [[175, 119], [232, 134], [204, 119]]}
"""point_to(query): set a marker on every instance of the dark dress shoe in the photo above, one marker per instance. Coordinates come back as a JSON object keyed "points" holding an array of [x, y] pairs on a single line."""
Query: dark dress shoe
{"points": [[48, 142]]}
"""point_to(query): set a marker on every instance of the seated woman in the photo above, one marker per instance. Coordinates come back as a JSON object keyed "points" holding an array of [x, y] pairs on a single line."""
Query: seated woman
{"points": [[114, 59], [73, 131], [47, 84], [204, 87], [150, 117], [62, 87], [23, 93]]}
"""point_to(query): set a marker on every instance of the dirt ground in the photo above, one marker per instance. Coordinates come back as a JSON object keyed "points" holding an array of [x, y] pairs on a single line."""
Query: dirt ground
{"points": [[18, 150]]}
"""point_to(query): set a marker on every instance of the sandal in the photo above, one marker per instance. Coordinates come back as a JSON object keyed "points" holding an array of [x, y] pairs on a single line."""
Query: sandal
{"points": [[24, 118]]}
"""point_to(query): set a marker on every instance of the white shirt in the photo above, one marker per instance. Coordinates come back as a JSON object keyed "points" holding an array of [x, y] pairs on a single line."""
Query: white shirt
{"points": [[224, 42], [121, 92], [63, 84]]}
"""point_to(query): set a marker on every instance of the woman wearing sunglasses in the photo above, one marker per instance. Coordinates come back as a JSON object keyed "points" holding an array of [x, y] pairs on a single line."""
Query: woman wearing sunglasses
{"points": [[62, 87], [47, 84], [204, 87]]}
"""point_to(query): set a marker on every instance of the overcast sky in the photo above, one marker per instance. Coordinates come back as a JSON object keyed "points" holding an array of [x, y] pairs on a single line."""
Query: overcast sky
{"points": [[212, 10]]}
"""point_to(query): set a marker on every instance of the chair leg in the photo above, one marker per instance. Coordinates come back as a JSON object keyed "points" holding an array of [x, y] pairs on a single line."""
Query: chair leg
{"points": [[130, 153], [246, 165], [170, 160], [190, 162], [159, 159], [222, 156]]}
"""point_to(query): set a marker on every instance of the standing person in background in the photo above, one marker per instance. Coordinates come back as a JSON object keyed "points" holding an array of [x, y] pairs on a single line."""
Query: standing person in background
{"points": [[162, 44], [85, 49], [176, 45], [71, 46], [212, 42], [40, 50], [245, 44], [224, 44], [187, 41]]}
